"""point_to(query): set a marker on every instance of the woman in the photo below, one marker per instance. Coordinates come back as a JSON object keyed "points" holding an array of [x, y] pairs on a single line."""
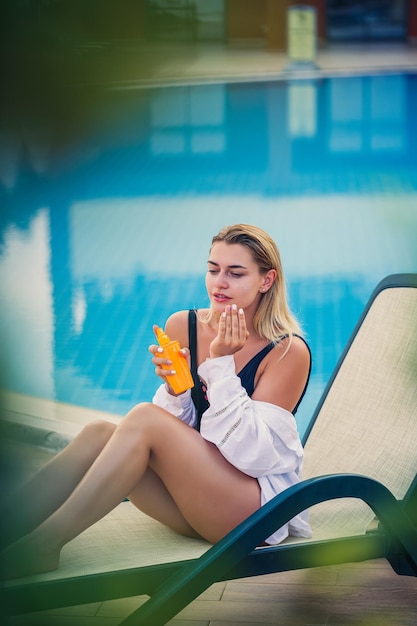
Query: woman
{"points": [[202, 461]]}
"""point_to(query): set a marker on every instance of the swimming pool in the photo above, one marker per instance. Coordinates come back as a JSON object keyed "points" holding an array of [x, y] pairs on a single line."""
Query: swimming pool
{"points": [[99, 246]]}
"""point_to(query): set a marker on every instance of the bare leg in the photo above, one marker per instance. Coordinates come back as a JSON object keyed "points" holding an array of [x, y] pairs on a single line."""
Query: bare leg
{"points": [[153, 498], [211, 494], [48, 489]]}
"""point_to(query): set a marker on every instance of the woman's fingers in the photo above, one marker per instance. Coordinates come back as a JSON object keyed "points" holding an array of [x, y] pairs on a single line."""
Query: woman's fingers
{"points": [[232, 332], [162, 365], [157, 353], [186, 354], [222, 330], [237, 325], [243, 331]]}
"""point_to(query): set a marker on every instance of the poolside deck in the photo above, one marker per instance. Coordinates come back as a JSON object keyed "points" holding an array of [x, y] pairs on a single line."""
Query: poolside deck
{"points": [[131, 65], [368, 594]]}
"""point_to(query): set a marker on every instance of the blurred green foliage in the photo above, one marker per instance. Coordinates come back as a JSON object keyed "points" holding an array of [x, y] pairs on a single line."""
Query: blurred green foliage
{"points": [[57, 55]]}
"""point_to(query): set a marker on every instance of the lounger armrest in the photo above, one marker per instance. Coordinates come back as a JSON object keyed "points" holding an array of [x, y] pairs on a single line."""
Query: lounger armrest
{"points": [[193, 579], [308, 493]]}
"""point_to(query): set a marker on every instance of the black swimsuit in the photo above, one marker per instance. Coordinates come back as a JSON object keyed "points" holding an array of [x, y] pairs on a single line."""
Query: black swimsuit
{"points": [[247, 373]]}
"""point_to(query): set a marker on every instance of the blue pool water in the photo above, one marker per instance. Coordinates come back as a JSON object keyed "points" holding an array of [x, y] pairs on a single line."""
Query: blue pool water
{"points": [[104, 241]]}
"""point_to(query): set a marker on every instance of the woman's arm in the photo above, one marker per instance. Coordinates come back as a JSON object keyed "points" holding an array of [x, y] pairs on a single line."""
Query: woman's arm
{"points": [[259, 434], [257, 437], [182, 406]]}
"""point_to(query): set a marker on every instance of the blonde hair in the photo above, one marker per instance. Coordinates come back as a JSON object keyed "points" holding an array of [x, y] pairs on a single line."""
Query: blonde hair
{"points": [[273, 319]]}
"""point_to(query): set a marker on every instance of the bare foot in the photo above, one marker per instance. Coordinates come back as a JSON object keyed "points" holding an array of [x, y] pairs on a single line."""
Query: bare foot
{"points": [[27, 556]]}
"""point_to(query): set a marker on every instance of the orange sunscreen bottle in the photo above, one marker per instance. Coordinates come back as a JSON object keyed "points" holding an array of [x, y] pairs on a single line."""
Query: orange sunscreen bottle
{"points": [[182, 379]]}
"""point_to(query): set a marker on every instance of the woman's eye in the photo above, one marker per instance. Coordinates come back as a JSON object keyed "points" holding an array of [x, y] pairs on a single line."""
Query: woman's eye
{"points": [[233, 274]]}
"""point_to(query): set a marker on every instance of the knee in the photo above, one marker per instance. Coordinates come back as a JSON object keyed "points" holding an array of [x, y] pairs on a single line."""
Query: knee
{"points": [[140, 418], [138, 414], [141, 410], [98, 432]]}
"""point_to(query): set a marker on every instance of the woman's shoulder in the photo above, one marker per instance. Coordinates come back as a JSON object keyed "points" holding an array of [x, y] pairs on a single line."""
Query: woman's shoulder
{"points": [[288, 352], [283, 374], [300, 344], [179, 318], [177, 326], [296, 345]]}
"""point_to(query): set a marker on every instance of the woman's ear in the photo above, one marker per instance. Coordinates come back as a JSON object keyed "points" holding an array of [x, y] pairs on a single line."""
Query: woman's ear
{"points": [[268, 280]]}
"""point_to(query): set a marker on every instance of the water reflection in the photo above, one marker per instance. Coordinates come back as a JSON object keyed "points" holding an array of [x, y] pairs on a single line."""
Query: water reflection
{"points": [[372, 119], [327, 167], [266, 138], [188, 119], [27, 320], [302, 109]]}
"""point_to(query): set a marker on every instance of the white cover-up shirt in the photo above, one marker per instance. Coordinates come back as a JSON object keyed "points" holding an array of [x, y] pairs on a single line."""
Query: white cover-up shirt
{"points": [[259, 438]]}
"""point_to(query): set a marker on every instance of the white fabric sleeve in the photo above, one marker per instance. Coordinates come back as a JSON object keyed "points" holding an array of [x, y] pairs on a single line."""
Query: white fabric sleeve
{"points": [[257, 437], [181, 406]]}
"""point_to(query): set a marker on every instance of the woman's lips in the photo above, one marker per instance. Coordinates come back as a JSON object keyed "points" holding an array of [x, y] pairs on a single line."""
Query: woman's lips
{"points": [[220, 297]]}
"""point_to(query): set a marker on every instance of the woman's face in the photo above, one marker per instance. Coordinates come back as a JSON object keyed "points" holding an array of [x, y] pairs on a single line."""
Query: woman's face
{"points": [[233, 277]]}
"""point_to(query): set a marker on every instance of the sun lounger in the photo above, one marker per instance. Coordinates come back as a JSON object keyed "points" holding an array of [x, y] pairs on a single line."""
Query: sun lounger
{"points": [[360, 484]]}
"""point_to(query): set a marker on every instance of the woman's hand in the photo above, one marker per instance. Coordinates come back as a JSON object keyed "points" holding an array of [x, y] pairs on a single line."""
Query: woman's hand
{"points": [[232, 332], [163, 366]]}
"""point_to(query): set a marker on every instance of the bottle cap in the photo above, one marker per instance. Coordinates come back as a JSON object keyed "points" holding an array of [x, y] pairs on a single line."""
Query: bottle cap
{"points": [[161, 336]]}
